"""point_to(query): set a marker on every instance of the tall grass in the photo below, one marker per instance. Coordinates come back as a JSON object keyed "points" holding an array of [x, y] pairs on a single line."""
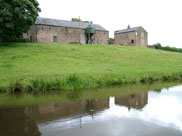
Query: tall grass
{"points": [[75, 83], [72, 82]]}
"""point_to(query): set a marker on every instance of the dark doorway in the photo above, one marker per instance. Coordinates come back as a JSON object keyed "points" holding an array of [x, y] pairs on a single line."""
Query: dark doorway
{"points": [[132, 41], [30, 38]]}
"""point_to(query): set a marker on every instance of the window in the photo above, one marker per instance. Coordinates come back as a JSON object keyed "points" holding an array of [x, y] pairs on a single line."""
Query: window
{"points": [[100, 41], [54, 38], [42, 28], [136, 33], [132, 41]]}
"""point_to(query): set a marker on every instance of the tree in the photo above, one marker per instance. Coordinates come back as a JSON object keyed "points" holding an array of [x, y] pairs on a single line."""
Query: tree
{"points": [[79, 20], [111, 40], [16, 18], [167, 48], [158, 46]]}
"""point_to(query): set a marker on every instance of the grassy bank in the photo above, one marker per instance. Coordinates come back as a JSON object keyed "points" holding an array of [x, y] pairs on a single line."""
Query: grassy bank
{"points": [[41, 67], [27, 99]]}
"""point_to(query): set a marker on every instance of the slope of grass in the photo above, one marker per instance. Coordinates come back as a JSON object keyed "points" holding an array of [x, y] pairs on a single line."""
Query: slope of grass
{"points": [[64, 66]]}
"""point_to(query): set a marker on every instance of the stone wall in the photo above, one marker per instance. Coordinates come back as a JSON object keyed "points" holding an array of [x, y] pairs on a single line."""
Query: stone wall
{"points": [[46, 34], [125, 38], [32, 34], [101, 37], [134, 38]]}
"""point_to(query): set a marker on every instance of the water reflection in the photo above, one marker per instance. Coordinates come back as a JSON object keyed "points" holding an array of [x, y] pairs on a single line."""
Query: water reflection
{"points": [[137, 101], [47, 112], [148, 113], [14, 122]]}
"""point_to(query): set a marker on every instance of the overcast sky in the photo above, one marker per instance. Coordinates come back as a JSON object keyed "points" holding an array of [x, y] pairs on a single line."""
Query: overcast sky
{"points": [[162, 19]]}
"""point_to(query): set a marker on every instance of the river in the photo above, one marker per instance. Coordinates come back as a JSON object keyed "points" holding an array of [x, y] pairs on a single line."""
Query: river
{"points": [[152, 112]]}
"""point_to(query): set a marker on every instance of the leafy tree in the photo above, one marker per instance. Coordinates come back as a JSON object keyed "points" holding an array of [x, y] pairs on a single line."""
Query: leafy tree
{"points": [[76, 20], [16, 18], [79, 20], [158, 46], [111, 40]]}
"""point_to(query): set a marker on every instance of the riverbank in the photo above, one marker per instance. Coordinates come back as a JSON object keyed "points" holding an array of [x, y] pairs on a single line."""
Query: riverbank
{"points": [[43, 67], [37, 98]]}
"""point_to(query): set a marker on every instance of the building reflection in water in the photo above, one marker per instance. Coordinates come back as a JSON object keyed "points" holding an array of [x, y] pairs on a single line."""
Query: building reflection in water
{"points": [[136, 101], [14, 122], [47, 112], [24, 121]]}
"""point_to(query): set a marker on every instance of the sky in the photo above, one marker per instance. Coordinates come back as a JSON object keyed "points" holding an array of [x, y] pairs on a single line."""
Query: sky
{"points": [[162, 19]]}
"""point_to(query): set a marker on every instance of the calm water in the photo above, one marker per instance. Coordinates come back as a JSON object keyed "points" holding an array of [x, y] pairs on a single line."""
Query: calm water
{"points": [[152, 113]]}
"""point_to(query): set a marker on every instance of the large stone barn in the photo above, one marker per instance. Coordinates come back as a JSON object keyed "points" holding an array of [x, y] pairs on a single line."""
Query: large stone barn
{"points": [[136, 36], [48, 30]]}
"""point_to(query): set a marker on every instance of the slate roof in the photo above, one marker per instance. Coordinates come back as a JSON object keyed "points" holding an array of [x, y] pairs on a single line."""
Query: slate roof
{"points": [[64, 23], [126, 30]]}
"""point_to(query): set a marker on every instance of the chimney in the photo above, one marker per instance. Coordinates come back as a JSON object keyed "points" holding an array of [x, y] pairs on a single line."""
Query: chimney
{"points": [[128, 27]]}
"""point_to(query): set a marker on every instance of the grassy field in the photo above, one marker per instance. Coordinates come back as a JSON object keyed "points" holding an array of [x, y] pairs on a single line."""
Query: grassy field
{"points": [[43, 67]]}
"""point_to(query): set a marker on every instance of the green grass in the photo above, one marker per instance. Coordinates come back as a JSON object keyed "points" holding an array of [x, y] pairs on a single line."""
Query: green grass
{"points": [[64, 66]]}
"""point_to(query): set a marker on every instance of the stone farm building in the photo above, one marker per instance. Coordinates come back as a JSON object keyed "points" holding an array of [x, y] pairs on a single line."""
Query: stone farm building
{"points": [[136, 36], [60, 31]]}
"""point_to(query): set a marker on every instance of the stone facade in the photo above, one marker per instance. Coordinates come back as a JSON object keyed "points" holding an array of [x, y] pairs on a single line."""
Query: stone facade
{"points": [[42, 33], [132, 36]]}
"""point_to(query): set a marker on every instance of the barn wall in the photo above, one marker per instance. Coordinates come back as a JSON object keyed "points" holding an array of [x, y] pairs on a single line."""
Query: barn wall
{"points": [[46, 33], [140, 37]]}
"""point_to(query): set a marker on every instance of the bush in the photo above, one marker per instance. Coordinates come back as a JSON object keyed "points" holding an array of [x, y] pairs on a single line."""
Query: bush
{"points": [[15, 87], [79, 20], [167, 48], [111, 40]]}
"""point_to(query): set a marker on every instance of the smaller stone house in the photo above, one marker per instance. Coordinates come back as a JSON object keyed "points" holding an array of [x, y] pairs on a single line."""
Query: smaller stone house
{"points": [[48, 30], [136, 36]]}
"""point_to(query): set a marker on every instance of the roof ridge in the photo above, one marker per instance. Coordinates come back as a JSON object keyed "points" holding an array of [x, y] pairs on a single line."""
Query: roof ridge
{"points": [[128, 28], [61, 20], [66, 23]]}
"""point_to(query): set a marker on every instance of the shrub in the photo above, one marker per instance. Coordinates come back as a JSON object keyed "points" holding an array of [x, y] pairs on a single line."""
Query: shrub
{"points": [[167, 48], [15, 87], [111, 40]]}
